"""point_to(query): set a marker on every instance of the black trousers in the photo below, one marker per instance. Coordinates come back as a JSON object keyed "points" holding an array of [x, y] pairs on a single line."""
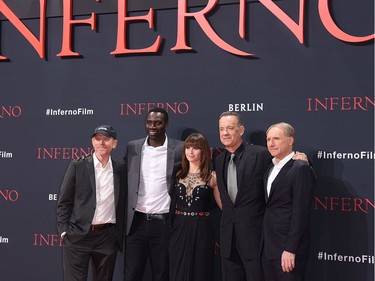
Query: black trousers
{"points": [[99, 247], [148, 239], [237, 268]]}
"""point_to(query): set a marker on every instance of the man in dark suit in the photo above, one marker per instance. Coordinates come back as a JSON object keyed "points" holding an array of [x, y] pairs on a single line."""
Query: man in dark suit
{"points": [[289, 188], [91, 210], [243, 207], [243, 201], [152, 165]]}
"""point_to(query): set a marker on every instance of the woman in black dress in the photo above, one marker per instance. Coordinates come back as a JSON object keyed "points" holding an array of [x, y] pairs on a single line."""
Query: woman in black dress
{"points": [[191, 243]]}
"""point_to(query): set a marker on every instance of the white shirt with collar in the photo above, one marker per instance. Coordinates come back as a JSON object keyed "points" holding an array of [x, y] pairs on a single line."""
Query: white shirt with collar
{"points": [[105, 211], [274, 171], [153, 196]]}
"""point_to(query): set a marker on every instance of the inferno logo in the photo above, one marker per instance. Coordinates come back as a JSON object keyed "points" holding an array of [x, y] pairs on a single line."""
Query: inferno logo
{"points": [[340, 104], [140, 108], [9, 195], [183, 15], [64, 153], [343, 204], [47, 240], [10, 111]]}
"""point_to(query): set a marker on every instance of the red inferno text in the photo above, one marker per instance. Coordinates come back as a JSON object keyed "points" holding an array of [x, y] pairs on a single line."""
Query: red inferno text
{"points": [[143, 107], [183, 17], [49, 240], [9, 195], [340, 103], [64, 153], [343, 204], [10, 111]]}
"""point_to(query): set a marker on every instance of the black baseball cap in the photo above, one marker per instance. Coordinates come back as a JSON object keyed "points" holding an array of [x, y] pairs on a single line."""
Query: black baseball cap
{"points": [[106, 130]]}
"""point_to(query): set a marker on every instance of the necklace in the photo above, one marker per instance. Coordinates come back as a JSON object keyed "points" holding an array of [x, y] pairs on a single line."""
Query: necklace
{"points": [[192, 179]]}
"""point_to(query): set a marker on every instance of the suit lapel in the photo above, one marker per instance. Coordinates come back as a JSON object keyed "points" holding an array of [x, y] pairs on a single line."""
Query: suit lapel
{"points": [[248, 161], [137, 161], [265, 181], [220, 176], [284, 170], [170, 161], [116, 177], [91, 172], [116, 180]]}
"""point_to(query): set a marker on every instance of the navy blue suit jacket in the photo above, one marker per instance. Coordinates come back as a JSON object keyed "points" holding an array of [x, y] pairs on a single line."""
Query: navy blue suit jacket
{"points": [[286, 219]]}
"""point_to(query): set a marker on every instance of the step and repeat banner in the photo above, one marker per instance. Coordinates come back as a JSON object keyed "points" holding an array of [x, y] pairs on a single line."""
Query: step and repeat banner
{"points": [[68, 66]]}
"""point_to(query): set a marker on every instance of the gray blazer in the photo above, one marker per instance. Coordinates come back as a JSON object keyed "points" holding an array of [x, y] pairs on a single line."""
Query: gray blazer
{"points": [[77, 200], [133, 161]]}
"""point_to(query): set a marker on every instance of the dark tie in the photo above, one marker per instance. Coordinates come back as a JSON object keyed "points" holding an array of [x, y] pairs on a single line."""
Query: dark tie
{"points": [[232, 178]]}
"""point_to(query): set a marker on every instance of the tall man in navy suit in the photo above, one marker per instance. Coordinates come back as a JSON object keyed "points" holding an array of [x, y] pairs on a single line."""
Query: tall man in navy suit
{"points": [[91, 210], [152, 165], [289, 188]]}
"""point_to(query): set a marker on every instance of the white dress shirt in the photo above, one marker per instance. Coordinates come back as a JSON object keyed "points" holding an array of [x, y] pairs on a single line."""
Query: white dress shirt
{"points": [[153, 196], [276, 169], [105, 211]]}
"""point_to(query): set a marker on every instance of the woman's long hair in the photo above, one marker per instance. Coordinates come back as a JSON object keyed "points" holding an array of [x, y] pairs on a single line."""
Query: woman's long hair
{"points": [[197, 140]]}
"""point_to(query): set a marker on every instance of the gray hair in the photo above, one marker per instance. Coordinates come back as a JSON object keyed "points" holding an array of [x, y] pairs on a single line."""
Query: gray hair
{"points": [[287, 128], [232, 113]]}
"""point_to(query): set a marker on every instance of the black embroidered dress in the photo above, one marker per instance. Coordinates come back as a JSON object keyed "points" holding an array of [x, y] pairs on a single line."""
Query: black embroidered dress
{"points": [[191, 242]]}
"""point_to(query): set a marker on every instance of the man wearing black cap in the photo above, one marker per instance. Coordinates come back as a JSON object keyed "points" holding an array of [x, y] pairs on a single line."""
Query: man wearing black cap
{"points": [[91, 210]]}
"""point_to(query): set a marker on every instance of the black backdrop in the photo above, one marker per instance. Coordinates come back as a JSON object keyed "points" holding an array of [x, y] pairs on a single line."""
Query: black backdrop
{"points": [[324, 87]]}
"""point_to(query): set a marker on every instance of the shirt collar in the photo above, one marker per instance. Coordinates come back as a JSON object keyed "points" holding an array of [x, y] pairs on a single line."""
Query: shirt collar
{"points": [[165, 144], [283, 161], [238, 152], [97, 163]]}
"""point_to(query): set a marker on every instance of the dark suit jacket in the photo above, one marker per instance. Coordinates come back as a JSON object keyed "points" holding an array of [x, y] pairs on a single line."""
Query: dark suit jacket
{"points": [[286, 220], [77, 200], [133, 160], [244, 216]]}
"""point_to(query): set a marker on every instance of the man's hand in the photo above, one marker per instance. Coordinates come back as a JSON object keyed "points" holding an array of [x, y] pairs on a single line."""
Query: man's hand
{"points": [[287, 261], [300, 156], [83, 157], [63, 235]]}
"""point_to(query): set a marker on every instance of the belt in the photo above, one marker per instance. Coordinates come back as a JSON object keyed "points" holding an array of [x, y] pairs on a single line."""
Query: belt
{"points": [[192, 214], [98, 227], [154, 217]]}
